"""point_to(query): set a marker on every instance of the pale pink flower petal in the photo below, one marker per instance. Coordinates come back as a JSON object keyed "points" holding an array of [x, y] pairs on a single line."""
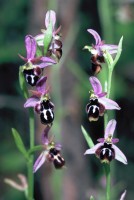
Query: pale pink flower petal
{"points": [[93, 149], [40, 160], [31, 102], [96, 85], [95, 35], [41, 84], [119, 155], [108, 103], [110, 128], [50, 18], [30, 46]]}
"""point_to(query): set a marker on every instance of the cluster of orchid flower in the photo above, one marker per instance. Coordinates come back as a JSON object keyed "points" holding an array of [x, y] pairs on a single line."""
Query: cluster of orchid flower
{"points": [[37, 59], [105, 150]]}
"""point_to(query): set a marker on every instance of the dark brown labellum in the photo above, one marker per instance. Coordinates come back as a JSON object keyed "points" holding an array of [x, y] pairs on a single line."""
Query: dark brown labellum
{"points": [[46, 112], [56, 158], [92, 110], [96, 63], [106, 153], [30, 76]]}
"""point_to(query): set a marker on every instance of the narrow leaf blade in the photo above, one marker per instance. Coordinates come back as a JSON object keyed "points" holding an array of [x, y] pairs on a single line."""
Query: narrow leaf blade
{"points": [[118, 52], [23, 83], [47, 38], [87, 137], [19, 143]]}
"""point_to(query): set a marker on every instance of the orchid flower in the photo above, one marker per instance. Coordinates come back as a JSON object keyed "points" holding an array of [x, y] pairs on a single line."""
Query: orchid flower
{"points": [[98, 103], [100, 46], [106, 150], [34, 65], [51, 153], [97, 50], [40, 100], [55, 48]]}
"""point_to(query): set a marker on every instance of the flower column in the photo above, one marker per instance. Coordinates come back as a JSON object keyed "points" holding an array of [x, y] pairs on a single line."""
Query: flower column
{"points": [[99, 102]]}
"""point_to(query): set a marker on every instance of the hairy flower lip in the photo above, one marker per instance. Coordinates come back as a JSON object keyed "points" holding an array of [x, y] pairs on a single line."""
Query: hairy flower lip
{"points": [[109, 134]]}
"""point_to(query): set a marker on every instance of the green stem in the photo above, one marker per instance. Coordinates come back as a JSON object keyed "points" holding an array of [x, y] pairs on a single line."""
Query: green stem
{"points": [[31, 157], [108, 180], [109, 82]]}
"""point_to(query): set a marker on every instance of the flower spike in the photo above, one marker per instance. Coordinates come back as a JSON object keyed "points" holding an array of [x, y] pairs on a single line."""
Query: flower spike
{"points": [[106, 150]]}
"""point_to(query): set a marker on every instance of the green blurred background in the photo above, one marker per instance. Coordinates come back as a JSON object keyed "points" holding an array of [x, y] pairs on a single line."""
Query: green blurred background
{"points": [[83, 175]]}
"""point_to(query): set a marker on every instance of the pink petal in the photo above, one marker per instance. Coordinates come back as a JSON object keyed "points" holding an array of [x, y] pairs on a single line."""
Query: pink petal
{"points": [[31, 102], [110, 47], [101, 140], [58, 146], [96, 85], [108, 103], [50, 18], [110, 128], [119, 155], [36, 94], [95, 35], [46, 62], [93, 149], [115, 140], [30, 44], [40, 160], [45, 139], [41, 84]]}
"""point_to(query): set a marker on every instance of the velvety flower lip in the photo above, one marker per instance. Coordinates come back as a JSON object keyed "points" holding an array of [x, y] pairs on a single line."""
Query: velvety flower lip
{"points": [[97, 92], [48, 146], [41, 62], [40, 92], [99, 46], [108, 139]]}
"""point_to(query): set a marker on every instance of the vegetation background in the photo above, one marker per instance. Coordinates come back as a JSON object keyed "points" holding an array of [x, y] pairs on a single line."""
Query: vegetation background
{"points": [[83, 175]]}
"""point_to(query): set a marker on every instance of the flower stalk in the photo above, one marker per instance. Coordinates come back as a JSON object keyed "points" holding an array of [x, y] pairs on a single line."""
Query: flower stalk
{"points": [[108, 180], [31, 157]]}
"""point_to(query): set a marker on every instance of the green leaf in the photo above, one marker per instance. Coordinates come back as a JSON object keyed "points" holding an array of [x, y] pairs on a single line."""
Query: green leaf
{"points": [[35, 148], [23, 82], [118, 52], [47, 38], [38, 51], [87, 137], [19, 143], [108, 59]]}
